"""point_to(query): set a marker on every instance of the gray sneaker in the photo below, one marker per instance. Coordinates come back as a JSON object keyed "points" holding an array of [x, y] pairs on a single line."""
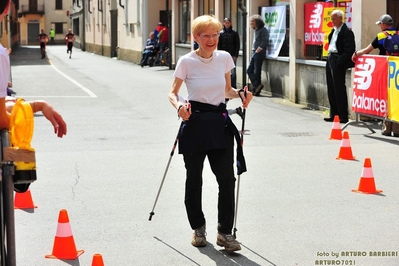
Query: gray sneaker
{"points": [[228, 242], [199, 237]]}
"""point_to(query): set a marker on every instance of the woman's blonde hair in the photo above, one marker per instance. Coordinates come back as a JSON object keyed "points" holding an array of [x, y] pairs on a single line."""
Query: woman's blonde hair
{"points": [[202, 22]]}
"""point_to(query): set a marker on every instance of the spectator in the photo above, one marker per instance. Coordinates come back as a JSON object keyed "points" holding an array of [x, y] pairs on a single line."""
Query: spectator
{"points": [[60, 127], [163, 37], [150, 48], [158, 29], [259, 48], [229, 41], [52, 35], [341, 46], [386, 25]]}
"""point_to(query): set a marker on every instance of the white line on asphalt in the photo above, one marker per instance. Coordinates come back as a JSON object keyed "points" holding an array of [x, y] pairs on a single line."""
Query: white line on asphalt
{"points": [[74, 81], [55, 96]]}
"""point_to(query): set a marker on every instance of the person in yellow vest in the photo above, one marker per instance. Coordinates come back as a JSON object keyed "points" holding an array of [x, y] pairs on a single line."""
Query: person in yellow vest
{"points": [[52, 35], [386, 24]]}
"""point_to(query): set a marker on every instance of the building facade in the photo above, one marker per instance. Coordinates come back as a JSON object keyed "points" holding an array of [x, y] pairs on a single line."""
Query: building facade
{"points": [[9, 27], [34, 15]]}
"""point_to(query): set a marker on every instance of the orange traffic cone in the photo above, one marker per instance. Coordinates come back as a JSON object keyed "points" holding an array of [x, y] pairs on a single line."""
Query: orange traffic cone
{"points": [[367, 184], [336, 132], [64, 245], [345, 151], [23, 200], [97, 260]]}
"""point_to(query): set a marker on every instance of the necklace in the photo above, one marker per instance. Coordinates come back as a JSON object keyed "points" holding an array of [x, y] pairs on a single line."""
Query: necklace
{"points": [[204, 60]]}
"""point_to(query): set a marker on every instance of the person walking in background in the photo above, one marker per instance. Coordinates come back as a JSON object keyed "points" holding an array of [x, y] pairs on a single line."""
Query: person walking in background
{"points": [[43, 39], [259, 48], [69, 38], [52, 35], [207, 130], [341, 47], [229, 41], [386, 25]]}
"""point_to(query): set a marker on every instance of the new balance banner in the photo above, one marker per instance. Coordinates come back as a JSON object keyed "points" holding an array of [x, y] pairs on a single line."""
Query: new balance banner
{"points": [[370, 85]]}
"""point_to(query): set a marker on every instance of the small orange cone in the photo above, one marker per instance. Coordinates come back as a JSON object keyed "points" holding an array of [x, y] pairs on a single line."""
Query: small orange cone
{"points": [[336, 132], [345, 151], [97, 260], [64, 245], [23, 200], [367, 184]]}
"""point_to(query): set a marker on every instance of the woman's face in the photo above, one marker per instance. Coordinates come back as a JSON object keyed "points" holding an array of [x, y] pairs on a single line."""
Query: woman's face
{"points": [[208, 40]]}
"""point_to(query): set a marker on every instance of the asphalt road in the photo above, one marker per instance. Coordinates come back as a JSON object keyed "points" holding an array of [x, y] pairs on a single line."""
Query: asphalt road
{"points": [[296, 206]]}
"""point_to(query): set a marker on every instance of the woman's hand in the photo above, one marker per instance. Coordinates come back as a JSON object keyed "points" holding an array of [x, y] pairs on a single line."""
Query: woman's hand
{"points": [[184, 111], [246, 97]]}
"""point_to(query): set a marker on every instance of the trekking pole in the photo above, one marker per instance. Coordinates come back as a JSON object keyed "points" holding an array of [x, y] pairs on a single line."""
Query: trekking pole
{"points": [[238, 178], [167, 167]]}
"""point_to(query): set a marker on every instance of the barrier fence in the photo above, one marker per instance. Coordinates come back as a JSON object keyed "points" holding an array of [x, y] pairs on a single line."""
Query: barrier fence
{"points": [[376, 88]]}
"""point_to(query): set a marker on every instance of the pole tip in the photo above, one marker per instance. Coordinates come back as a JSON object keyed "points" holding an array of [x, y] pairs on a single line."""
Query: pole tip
{"points": [[151, 214]]}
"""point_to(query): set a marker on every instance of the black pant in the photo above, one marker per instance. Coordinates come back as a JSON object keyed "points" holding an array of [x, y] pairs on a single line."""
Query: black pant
{"points": [[254, 69], [336, 88], [221, 162]]}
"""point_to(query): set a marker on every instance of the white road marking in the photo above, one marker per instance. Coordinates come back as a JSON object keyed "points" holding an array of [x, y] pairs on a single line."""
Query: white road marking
{"points": [[74, 82]]}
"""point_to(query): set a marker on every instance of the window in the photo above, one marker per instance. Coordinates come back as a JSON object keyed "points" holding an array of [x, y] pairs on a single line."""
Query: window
{"points": [[59, 28], [184, 21], [75, 24], [58, 4], [206, 7]]}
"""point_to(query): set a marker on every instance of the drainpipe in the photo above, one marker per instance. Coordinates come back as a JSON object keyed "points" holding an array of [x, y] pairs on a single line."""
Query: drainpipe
{"points": [[120, 3], [169, 12], [244, 42], [83, 37]]}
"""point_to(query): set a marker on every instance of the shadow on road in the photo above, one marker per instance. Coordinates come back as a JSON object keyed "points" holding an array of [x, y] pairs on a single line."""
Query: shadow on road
{"points": [[27, 55], [220, 256]]}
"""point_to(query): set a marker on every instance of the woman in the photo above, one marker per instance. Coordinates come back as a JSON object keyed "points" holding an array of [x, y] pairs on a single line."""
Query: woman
{"points": [[207, 130]]}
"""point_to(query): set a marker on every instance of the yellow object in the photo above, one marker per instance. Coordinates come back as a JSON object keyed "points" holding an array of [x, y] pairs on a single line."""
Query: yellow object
{"points": [[21, 125]]}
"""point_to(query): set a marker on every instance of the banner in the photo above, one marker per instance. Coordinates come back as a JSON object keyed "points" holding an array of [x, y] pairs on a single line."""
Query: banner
{"points": [[370, 85], [393, 88], [275, 22], [318, 23], [314, 18]]}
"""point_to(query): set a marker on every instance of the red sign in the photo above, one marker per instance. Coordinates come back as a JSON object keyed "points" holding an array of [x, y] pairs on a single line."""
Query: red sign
{"points": [[370, 85], [67, 13], [314, 21]]}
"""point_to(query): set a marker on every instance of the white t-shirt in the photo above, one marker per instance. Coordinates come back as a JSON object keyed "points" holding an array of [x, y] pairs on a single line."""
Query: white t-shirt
{"points": [[205, 82], [4, 71]]}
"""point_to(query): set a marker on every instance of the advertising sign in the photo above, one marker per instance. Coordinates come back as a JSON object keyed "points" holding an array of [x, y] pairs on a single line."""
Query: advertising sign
{"points": [[314, 22], [275, 21], [393, 88], [370, 84]]}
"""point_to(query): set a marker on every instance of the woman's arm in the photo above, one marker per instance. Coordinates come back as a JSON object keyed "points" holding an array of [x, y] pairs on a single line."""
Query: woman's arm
{"points": [[182, 109]]}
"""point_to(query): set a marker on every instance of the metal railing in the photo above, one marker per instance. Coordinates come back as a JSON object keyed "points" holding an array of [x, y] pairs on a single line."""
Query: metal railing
{"points": [[32, 9]]}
